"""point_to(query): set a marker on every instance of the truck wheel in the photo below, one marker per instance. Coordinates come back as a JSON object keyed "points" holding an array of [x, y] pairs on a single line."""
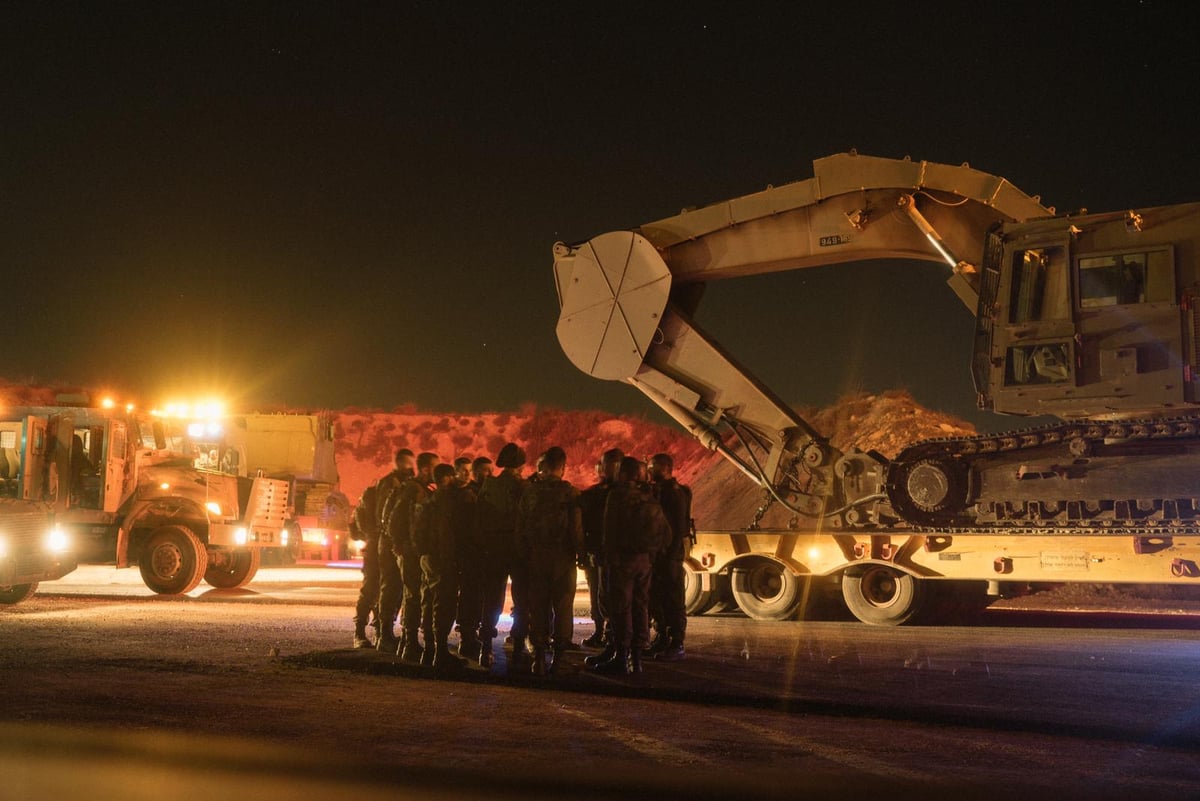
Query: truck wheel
{"points": [[173, 560], [696, 599], [231, 569], [882, 596], [17, 593], [766, 590]]}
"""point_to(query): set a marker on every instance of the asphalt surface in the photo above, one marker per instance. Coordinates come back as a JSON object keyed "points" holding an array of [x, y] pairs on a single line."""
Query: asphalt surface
{"points": [[109, 691]]}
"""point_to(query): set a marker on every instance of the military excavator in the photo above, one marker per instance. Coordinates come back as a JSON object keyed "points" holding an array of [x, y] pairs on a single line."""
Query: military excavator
{"points": [[1089, 318]]}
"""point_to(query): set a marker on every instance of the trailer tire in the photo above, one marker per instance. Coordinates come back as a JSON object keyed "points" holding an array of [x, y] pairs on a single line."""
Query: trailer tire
{"points": [[228, 570], [696, 599], [173, 560], [766, 589], [882, 596], [17, 593]]}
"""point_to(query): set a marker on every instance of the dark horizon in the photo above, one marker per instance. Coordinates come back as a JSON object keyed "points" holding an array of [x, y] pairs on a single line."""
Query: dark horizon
{"points": [[309, 205]]}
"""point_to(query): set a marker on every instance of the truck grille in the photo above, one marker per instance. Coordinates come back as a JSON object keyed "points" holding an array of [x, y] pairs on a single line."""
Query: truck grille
{"points": [[23, 532]]}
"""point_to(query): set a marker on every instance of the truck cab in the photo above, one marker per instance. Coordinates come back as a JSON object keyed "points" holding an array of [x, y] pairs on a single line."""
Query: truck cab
{"points": [[1090, 316], [33, 547], [128, 494]]}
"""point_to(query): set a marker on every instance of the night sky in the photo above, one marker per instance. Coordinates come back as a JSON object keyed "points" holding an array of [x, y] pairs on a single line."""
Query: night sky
{"points": [[331, 205]]}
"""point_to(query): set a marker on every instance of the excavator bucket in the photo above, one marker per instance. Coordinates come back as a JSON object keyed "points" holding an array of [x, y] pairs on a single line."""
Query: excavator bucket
{"points": [[612, 291]]}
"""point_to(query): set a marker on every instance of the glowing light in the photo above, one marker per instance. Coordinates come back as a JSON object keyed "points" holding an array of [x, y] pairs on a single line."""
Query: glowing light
{"points": [[283, 537], [814, 552], [129, 407], [240, 536], [57, 541], [213, 508], [108, 403], [3, 548], [164, 486]]}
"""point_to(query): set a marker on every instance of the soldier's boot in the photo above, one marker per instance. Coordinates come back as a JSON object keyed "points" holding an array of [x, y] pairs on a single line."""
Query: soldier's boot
{"points": [[520, 657], [387, 643], [469, 648], [672, 653], [444, 661], [602, 657], [618, 665], [486, 657], [658, 644], [595, 641], [635, 661], [538, 668], [428, 653], [360, 636], [411, 650], [519, 648], [557, 660]]}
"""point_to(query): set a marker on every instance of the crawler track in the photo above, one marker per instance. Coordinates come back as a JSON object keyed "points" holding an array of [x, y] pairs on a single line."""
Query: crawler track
{"points": [[1091, 477]]}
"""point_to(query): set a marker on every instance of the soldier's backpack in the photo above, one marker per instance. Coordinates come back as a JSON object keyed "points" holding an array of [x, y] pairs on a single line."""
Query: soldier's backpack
{"points": [[546, 514], [652, 530], [365, 514], [497, 504]]}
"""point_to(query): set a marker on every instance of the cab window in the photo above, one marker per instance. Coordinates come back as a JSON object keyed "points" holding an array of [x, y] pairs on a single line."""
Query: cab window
{"points": [[1043, 363], [1040, 286], [1125, 278]]}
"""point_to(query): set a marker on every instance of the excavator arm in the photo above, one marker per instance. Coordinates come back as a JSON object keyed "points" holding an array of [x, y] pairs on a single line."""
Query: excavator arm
{"points": [[627, 301]]}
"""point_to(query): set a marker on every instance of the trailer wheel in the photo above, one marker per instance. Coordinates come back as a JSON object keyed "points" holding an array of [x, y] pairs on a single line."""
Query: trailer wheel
{"points": [[17, 593], [767, 590], [696, 599], [173, 560], [231, 569], [882, 596]]}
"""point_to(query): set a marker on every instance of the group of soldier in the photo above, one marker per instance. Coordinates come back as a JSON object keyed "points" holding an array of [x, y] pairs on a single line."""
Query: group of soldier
{"points": [[444, 542]]}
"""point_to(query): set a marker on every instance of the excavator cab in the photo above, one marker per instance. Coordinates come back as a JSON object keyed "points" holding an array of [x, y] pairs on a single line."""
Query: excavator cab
{"points": [[1089, 316]]}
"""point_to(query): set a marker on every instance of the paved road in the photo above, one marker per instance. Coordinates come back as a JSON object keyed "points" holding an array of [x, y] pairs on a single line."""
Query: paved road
{"points": [[253, 694]]}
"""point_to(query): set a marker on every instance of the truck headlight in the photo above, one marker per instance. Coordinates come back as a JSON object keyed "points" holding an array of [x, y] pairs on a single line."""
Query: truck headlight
{"points": [[283, 537], [57, 541], [213, 508], [239, 536]]}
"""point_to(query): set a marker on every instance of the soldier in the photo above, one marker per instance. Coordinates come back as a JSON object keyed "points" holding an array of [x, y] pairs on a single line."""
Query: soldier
{"points": [[391, 584], [434, 534], [399, 525], [498, 499], [471, 566], [667, 579], [635, 529], [462, 471], [364, 527], [550, 539], [591, 500]]}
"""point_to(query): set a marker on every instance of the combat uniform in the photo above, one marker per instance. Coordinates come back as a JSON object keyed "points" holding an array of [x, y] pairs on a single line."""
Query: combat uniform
{"points": [[667, 582], [434, 540], [391, 585], [498, 500], [470, 567], [399, 525], [549, 541], [365, 525], [635, 529], [591, 501]]}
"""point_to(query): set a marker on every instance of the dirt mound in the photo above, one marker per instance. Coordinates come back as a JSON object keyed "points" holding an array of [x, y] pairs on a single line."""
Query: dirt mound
{"points": [[887, 422], [22, 393], [367, 440]]}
